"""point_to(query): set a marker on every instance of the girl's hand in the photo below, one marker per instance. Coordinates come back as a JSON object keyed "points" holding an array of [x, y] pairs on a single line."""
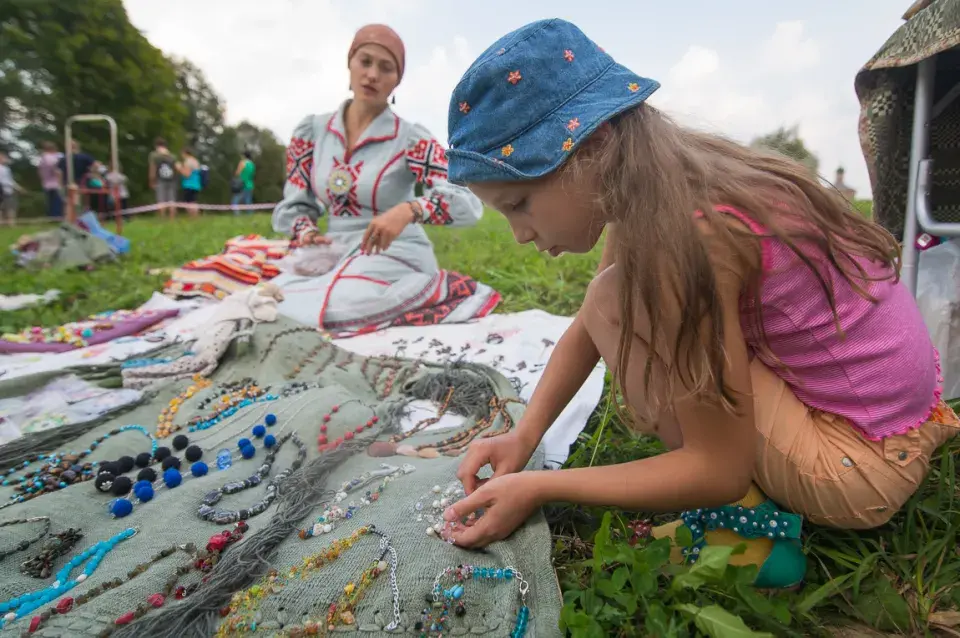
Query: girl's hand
{"points": [[384, 228], [506, 502], [314, 238], [506, 454]]}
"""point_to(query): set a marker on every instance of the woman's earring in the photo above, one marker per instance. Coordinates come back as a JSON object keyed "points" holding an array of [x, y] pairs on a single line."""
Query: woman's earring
{"points": [[393, 99]]}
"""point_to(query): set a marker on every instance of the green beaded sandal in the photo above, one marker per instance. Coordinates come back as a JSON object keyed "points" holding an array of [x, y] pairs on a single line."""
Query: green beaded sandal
{"points": [[786, 564]]}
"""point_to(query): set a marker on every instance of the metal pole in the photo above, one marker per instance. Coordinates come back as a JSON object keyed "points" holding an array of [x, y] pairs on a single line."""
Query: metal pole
{"points": [[919, 142], [114, 157]]}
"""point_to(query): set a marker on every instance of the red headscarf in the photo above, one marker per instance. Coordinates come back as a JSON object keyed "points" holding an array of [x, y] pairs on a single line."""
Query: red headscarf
{"points": [[384, 36]]}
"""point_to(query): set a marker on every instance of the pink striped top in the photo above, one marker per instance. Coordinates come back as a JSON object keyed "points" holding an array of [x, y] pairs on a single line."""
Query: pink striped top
{"points": [[883, 376]]}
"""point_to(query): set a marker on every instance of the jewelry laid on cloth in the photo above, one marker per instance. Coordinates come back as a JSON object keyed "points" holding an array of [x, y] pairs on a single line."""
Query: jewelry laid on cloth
{"points": [[326, 521], [436, 620], [455, 444], [90, 558], [207, 512], [283, 333], [227, 404], [311, 356], [323, 444], [165, 418], [243, 614], [26, 543], [202, 560], [41, 565], [61, 469], [431, 507]]}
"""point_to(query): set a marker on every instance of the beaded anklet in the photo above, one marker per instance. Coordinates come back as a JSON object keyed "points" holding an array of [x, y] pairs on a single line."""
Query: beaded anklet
{"points": [[342, 611], [242, 614], [41, 565], [434, 620], [326, 521], [20, 606], [25, 544]]}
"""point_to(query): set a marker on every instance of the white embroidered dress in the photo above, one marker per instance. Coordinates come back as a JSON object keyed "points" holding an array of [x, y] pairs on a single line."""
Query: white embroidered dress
{"points": [[403, 285]]}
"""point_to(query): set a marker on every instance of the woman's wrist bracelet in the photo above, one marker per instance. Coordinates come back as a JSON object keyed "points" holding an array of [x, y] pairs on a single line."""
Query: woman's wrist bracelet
{"points": [[417, 212]]}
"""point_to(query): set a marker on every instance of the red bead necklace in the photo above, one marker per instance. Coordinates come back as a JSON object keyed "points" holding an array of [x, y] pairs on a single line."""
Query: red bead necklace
{"points": [[324, 444]]}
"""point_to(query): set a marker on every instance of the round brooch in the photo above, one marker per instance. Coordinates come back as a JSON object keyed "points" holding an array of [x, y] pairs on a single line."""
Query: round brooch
{"points": [[339, 182]]}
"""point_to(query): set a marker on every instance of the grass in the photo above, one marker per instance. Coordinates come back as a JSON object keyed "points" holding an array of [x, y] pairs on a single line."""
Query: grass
{"points": [[901, 579]]}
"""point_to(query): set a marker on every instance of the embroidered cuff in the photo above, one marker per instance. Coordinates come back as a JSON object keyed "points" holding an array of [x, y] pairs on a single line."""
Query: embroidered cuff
{"points": [[301, 226], [434, 210]]}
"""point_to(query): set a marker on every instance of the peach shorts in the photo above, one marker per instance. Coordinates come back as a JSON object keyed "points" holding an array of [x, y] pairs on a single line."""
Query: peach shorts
{"points": [[819, 466]]}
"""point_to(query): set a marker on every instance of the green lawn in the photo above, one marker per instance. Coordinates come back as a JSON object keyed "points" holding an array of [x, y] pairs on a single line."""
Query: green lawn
{"points": [[901, 579]]}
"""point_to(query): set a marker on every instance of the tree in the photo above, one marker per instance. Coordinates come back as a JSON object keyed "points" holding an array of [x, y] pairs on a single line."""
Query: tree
{"points": [[63, 58], [786, 141], [204, 106], [268, 153]]}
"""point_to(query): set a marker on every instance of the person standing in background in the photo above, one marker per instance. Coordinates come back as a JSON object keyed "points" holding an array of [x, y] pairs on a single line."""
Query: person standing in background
{"points": [[162, 174], [243, 178], [81, 166], [8, 192], [117, 182], [190, 180], [51, 179]]}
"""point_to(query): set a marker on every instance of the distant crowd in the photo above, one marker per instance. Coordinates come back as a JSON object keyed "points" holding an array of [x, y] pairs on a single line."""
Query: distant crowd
{"points": [[175, 182]]}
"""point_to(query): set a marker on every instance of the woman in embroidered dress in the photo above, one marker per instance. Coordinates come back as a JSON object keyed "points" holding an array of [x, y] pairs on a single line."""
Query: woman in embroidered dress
{"points": [[754, 321], [360, 165]]}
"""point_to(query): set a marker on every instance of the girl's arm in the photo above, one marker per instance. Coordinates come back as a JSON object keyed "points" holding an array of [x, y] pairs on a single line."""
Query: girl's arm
{"points": [[572, 361], [715, 464]]}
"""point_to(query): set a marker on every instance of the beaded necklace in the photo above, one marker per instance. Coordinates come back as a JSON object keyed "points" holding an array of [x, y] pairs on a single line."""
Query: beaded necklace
{"points": [[227, 405], [90, 558], [323, 444], [435, 620], [24, 544], [243, 615], [431, 507], [309, 358], [165, 419], [41, 565], [60, 470], [145, 490], [455, 444], [202, 560], [326, 521]]}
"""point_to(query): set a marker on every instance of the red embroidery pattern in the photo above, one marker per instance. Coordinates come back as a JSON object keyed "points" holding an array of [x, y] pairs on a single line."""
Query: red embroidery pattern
{"points": [[464, 108], [299, 162], [301, 226], [437, 211], [514, 77], [427, 160], [573, 124], [568, 55], [342, 188], [459, 288]]}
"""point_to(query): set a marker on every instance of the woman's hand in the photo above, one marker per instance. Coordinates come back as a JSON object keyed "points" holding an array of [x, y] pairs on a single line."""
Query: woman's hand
{"points": [[506, 454], [314, 238], [384, 228], [493, 511]]}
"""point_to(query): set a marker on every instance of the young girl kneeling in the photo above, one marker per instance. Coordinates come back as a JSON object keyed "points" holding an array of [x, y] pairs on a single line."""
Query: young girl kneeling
{"points": [[753, 320]]}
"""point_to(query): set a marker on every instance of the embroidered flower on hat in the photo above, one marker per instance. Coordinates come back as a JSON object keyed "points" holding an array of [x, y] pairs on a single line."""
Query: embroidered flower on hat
{"points": [[514, 77], [573, 124], [633, 87], [568, 55], [464, 108], [507, 150], [568, 144]]}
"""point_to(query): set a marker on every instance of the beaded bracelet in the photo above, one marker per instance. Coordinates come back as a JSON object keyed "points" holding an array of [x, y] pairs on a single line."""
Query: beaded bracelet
{"points": [[24, 544], [434, 620], [20, 606], [326, 521]]}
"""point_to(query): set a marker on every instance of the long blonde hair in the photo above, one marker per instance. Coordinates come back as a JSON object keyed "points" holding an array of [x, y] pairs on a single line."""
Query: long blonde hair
{"points": [[654, 175]]}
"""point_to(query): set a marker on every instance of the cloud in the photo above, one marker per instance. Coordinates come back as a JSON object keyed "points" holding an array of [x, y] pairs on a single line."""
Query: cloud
{"points": [[789, 50]]}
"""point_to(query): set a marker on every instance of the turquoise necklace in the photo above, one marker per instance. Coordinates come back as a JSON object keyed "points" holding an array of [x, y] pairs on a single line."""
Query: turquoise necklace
{"points": [[21, 606]]}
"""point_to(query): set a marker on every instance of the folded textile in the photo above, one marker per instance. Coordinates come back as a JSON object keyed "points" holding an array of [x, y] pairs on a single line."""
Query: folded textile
{"points": [[96, 329]]}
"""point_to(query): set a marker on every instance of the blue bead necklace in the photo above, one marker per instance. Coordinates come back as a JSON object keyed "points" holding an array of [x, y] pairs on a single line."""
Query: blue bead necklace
{"points": [[436, 620], [21, 606]]}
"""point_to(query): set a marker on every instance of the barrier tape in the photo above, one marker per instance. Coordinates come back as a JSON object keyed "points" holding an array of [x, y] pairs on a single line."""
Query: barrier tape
{"points": [[149, 208]]}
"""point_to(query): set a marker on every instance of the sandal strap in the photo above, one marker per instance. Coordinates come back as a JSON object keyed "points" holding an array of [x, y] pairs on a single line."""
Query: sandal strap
{"points": [[762, 521]]}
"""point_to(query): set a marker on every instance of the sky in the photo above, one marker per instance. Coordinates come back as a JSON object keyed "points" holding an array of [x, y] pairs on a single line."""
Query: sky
{"points": [[741, 68]]}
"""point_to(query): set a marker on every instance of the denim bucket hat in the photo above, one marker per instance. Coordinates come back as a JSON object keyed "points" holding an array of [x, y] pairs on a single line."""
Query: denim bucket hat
{"points": [[529, 100]]}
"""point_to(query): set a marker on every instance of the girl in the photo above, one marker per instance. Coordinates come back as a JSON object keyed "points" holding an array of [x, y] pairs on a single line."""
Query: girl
{"points": [[752, 320]]}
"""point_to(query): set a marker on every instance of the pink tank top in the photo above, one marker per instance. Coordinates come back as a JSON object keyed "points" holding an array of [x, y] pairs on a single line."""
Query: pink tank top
{"points": [[883, 375]]}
